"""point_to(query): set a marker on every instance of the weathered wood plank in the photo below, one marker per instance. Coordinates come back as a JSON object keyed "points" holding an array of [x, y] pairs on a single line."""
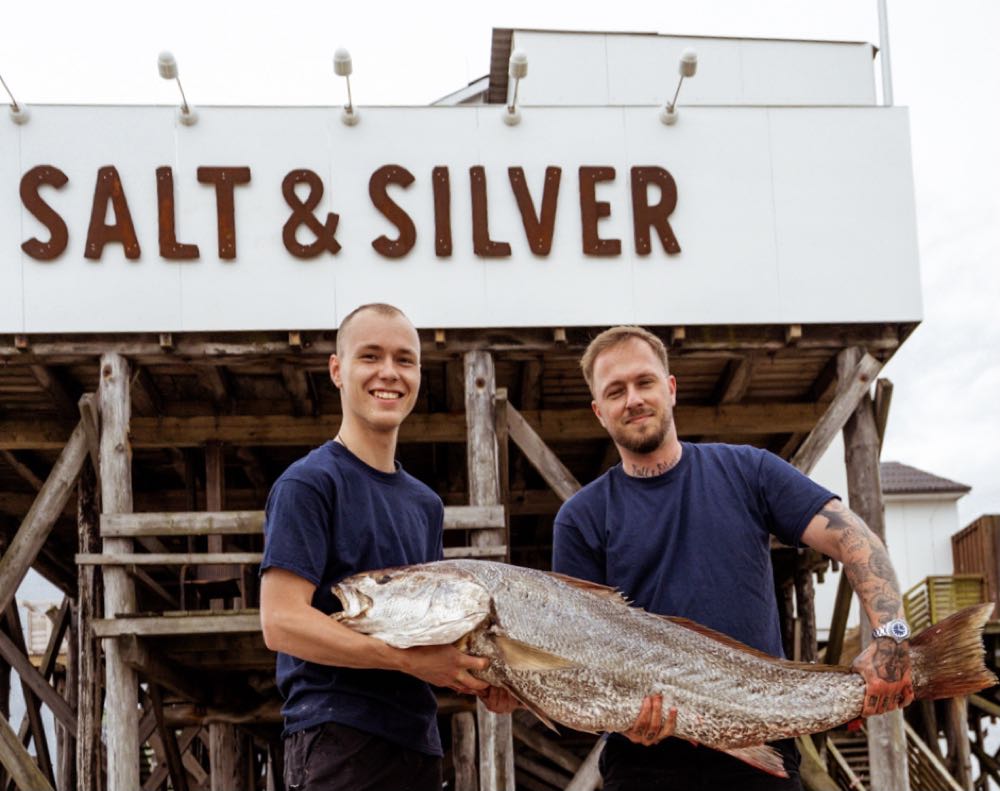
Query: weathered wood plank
{"points": [[465, 517], [167, 558], [90, 418], [956, 728], [160, 671], [188, 523], [542, 458], [849, 390], [121, 685], [486, 551], [18, 762], [153, 626], [735, 380], [463, 751], [88, 713], [886, 737], [57, 388], [552, 425], [175, 766], [297, 384], [38, 523]]}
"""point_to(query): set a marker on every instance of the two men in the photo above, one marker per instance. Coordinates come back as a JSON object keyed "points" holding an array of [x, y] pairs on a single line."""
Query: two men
{"points": [[684, 529], [680, 529]]}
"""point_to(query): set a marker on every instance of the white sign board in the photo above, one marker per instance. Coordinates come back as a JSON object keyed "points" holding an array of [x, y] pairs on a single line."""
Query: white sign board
{"points": [[782, 215]]}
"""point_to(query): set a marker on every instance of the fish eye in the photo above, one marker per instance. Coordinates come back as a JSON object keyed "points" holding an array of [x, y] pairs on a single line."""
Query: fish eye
{"points": [[383, 579]]}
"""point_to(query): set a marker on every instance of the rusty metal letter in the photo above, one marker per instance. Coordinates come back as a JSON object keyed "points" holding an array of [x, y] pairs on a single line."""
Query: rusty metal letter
{"points": [[302, 214], [482, 245], [442, 211], [170, 248], [225, 181], [591, 210], [377, 190], [45, 214], [109, 188], [644, 215], [538, 229]]}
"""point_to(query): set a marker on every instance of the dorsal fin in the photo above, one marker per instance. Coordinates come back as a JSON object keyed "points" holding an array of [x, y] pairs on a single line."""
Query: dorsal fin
{"points": [[604, 591], [732, 642]]}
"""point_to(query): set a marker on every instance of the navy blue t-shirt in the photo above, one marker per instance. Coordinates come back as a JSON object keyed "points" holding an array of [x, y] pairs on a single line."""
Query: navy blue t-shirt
{"points": [[695, 541], [328, 516]]}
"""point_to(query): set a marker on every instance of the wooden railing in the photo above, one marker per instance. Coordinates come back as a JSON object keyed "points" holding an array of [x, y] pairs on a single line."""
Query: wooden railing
{"points": [[937, 597]]}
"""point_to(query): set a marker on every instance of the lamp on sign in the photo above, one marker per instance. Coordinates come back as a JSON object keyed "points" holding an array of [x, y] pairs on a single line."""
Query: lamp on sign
{"points": [[688, 66], [168, 70], [342, 67], [518, 69], [18, 113]]}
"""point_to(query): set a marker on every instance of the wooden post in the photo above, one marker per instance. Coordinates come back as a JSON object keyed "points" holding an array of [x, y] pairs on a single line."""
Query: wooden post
{"points": [[886, 737], [88, 678], [957, 734], [805, 608], [496, 741], [23, 771], [463, 751], [121, 683]]}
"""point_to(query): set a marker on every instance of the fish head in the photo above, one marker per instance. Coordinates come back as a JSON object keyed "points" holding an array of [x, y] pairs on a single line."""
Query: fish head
{"points": [[429, 604]]}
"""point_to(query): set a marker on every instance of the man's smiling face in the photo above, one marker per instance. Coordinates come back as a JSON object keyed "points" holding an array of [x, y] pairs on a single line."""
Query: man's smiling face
{"points": [[377, 369]]}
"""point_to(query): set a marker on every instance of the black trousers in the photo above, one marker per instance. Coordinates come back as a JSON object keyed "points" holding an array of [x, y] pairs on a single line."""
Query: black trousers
{"points": [[333, 757], [677, 765]]}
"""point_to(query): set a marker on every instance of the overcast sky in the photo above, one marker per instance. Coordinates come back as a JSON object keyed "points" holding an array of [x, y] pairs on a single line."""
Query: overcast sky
{"points": [[945, 414]]}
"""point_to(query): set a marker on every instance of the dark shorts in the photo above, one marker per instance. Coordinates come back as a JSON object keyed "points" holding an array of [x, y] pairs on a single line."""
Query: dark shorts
{"points": [[334, 757], [676, 765]]}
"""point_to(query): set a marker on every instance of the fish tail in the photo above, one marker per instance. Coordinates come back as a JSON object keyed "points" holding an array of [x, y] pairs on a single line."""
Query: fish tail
{"points": [[948, 658]]}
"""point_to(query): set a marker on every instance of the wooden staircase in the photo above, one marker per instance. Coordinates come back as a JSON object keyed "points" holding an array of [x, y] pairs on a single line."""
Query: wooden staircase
{"points": [[847, 761]]}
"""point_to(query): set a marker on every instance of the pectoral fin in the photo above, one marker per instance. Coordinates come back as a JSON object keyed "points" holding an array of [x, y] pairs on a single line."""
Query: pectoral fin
{"points": [[521, 656], [762, 757]]}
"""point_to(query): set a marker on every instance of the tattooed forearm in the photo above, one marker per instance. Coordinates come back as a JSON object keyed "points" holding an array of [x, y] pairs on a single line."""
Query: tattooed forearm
{"points": [[866, 563]]}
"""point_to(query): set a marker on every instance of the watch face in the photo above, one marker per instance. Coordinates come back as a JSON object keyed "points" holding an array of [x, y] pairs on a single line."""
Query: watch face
{"points": [[899, 630]]}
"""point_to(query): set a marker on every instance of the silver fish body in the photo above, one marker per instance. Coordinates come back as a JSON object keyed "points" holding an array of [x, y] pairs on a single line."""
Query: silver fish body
{"points": [[578, 654]]}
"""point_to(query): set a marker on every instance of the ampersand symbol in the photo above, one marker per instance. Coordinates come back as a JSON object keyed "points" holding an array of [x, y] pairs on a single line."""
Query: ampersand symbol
{"points": [[302, 214]]}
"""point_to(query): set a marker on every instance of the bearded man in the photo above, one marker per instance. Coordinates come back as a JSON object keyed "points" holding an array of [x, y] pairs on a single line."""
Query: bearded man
{"points": [[684, 529]]}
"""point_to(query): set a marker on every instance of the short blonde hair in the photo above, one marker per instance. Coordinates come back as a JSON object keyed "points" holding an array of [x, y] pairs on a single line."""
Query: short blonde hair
{"points": [[613, 337], [382, 308]]}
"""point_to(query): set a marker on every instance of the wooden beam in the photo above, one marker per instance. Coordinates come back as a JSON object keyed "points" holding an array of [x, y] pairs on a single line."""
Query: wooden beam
{"points": [[886, 737], [215, 381], [159, 774], [18, 762], [240, 621], [38, 523], [121, 684], [883, 398], [178, 777], [89, 708], [36, 682], [838, 623], [189, 523], [58, 389], [90, 418], [852, 387], [297, 384], [956, 728], [167, 558], [146, 398], [540, 455], [161, 672], [540, 743], [23, 470], [552, 425], [588, 776], [498, 551], [496, 742], [473, 517], [254, 470], [463, 751], [735, 380]]}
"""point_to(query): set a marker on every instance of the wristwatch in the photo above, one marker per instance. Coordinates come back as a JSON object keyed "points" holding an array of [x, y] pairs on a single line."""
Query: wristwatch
{"points": [[898, 630]]}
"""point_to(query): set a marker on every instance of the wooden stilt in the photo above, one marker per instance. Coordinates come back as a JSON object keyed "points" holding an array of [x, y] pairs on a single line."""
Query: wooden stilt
{"points": [[119, 590], [23, 771], [957, 734], [66, 774], [805, 608], [886, 736], [463, 751], [89, 598], [496, 743]]}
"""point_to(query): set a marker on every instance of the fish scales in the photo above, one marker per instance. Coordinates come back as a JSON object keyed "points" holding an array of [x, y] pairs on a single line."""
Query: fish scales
{"points": [[578, 654]]}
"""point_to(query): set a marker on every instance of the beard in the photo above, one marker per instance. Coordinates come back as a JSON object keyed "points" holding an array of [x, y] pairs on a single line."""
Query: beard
{"points": [[643, 441]]}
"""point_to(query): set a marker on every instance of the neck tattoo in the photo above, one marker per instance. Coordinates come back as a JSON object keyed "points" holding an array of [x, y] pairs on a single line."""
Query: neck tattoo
{"points": [[651, 471]]}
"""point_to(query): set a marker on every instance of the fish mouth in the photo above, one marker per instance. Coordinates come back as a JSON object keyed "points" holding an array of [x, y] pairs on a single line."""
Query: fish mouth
{"points": [[354, 602]]}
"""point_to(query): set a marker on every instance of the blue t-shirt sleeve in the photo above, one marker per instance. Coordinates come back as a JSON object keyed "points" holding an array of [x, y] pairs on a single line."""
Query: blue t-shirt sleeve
{"points": [[788, 498], [576, 551], [296, 529]]}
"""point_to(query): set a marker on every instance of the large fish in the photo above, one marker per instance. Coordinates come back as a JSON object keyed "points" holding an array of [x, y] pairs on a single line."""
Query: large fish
{"points": [[576, 653]]}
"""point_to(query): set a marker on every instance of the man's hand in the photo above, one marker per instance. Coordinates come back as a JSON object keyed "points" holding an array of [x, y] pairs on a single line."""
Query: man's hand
{"points": [[445, 666], [650, 727], [498, 700], [885, 667]]}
